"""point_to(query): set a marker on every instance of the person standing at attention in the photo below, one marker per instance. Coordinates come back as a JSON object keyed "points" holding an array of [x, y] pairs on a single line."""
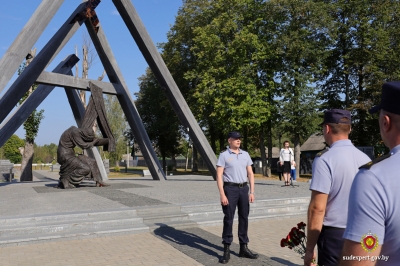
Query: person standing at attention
{"points": [[286, 159], [333, 171], [233, 172], [373, 227]]}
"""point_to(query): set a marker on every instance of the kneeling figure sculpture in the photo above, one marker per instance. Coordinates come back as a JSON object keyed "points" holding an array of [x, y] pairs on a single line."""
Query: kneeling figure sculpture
{"points": [[74, 168]]}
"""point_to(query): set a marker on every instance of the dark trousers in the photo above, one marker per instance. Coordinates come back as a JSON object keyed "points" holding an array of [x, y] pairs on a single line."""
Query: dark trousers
{"points": [[236, 197], [330, 245]]}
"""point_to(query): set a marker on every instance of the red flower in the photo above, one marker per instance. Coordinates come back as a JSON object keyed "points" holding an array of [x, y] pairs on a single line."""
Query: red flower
{"points": [[302, 234], [301, 225], [296, 240]]}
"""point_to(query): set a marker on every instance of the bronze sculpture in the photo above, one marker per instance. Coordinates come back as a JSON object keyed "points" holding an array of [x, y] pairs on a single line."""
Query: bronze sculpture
{"points": [[74, 168]]}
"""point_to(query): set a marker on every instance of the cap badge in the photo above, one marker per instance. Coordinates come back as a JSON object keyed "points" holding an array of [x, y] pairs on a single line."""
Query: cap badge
{"points": [[369, 242]]}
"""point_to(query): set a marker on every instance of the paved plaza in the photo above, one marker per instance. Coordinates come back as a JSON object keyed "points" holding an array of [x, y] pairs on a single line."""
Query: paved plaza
{"points": [[192, 244]]}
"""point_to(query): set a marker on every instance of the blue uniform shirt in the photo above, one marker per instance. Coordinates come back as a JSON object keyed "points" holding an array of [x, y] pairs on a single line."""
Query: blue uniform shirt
{"points": [[333, 173], [235, 165], [375, 206]]}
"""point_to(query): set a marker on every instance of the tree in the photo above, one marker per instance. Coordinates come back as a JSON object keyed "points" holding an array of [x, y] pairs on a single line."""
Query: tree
{"points": [[160, 121], [118, 125], [31, 126], [302, 44], [227, 49], [11, 149], [364, 53]]}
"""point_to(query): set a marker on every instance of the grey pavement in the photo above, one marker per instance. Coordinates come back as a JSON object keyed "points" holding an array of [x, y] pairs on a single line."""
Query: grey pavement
{"points": [[193, 244]]}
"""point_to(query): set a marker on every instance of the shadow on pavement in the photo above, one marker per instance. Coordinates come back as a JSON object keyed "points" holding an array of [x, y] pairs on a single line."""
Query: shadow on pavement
{"points": [[205, 247]]}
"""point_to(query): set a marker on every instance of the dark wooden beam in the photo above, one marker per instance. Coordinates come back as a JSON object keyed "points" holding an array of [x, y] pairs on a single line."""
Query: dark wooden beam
{"points": [[164, 77], [38, 64], [60, 80], [19, 116], [115, 76], [26, 39]]}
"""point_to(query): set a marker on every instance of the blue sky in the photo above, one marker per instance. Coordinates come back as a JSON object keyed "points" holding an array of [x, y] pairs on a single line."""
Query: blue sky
{"points": [[157, 16]]}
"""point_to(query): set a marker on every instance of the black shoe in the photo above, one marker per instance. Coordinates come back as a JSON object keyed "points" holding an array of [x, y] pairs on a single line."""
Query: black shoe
{"points": [[246, 253], [227, 255]]}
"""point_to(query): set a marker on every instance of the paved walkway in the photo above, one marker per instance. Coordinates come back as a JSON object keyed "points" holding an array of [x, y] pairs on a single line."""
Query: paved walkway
{"points": [[165, 246], [152, 249]]}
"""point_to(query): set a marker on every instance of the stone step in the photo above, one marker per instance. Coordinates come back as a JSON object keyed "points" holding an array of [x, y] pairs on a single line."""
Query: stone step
{"points": [[165, 217], [174, 224], [64, 217], [62, 227], [76, 234], [253, 210], [157, 210], [42, 228], [217, 219], [258, 203]]}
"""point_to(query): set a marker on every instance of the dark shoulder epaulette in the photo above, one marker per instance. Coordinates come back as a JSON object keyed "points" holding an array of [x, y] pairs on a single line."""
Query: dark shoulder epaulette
{"points": [[223, 151], [375, 161], [319, 154]]}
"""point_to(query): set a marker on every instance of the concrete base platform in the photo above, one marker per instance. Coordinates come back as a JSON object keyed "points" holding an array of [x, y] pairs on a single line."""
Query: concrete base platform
{"points": [[46, 213], [37, 212]]}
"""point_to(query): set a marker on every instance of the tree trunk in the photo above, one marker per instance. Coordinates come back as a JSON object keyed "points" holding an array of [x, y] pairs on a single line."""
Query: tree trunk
{"points": [[222, 141], [164, 163], [262, 151], [85, 71], [195, 163], [27, 155], [297, 154], [173, 159], [213, 138], [269, 165], [26, 165], [245, 139], [187, 159]]}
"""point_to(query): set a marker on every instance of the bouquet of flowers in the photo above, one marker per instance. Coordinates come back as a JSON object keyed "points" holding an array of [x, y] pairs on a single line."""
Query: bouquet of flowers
{"points": [[296, 239]]}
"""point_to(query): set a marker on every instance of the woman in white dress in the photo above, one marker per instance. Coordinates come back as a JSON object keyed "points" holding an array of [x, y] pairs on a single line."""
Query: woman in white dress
{"points": [[286, 159]]}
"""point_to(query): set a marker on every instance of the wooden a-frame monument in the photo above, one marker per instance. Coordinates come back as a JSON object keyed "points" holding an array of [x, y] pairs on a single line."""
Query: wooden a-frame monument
{"points": [[61, 76]]}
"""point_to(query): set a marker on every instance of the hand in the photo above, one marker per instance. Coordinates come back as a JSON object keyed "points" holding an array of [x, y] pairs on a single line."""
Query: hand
{"points": [[281, 163], [251, 198], [224, 200], [309, 259]]}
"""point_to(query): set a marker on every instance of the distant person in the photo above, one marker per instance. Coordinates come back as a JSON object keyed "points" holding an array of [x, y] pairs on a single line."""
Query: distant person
{"points": [[373, 226], [293, 172], [286, 158], [233, 174], [333, 172], [280, 170]]}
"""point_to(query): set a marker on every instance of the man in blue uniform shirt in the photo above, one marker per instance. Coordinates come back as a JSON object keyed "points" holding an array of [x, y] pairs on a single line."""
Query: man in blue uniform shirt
{"points": [[233, 170], [373, 225], [333, 172]]}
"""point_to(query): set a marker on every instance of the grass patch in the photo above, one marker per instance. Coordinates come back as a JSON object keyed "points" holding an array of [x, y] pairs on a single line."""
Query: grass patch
{"points": [[122, 174]]}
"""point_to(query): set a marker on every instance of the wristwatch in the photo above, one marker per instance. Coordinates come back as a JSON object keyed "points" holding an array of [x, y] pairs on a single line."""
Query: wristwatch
{"points": [[252, 193]]}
